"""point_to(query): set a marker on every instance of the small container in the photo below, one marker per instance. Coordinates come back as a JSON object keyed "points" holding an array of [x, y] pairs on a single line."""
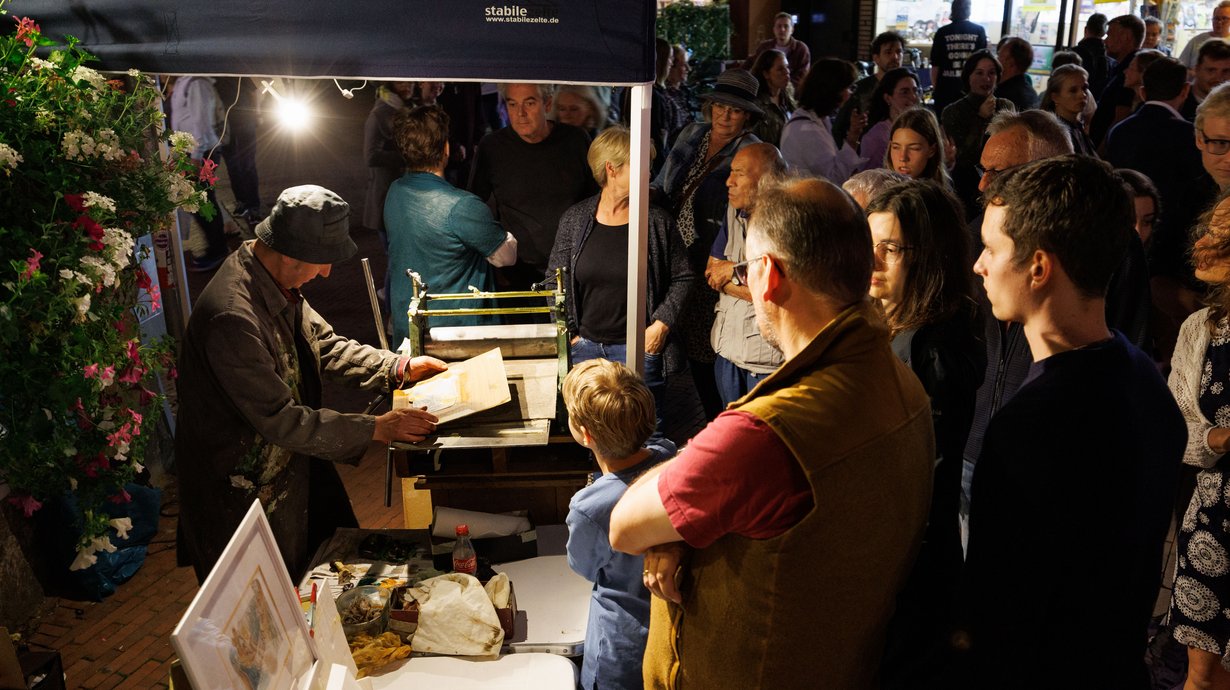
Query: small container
{"points": [[364, 611], [464, 558]]}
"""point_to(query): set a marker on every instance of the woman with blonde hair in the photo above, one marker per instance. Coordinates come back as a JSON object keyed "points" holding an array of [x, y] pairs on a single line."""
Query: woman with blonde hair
{"points": [[580, 106], [1067, 95], [916, 147], [592, 244]]}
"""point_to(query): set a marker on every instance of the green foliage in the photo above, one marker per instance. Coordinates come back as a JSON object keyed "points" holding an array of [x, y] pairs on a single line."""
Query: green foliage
{"points": [[82, 174], [704, 29]]}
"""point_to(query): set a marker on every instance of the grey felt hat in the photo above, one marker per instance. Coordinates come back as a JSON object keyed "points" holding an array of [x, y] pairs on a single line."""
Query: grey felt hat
{"points": [[309, 223], [736, 87]]}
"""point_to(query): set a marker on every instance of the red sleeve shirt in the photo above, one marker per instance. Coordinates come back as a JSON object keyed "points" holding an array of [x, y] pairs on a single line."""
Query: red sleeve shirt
{"points": [[736, 476]]}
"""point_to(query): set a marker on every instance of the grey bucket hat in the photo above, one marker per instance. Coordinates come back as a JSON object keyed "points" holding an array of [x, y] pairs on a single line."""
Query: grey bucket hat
{"points": [[736, 87], [309, 223]]}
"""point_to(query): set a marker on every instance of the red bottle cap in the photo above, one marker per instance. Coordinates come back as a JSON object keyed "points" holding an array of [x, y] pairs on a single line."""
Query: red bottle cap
{"points": [[463, 530]]}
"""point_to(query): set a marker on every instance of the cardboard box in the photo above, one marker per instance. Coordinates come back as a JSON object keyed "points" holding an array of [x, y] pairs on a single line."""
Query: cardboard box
{"points": [[516, 547]]}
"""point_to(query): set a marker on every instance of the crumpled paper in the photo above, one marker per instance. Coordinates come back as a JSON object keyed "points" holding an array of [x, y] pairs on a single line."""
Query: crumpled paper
{"points": [[456, 617], [498, 590]]}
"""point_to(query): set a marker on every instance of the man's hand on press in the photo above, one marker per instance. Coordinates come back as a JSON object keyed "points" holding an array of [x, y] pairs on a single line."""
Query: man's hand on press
{"points": [[407, 425], [418, 368]]}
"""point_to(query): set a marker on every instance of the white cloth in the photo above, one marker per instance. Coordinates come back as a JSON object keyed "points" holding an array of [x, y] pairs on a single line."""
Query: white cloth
{"points": [[808, 146], [456, 616], [1186, 369], [196, 109], [505, 254]]}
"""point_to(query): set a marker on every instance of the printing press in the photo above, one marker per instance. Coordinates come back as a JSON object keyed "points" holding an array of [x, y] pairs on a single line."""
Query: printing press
{"points": [[522, 444]]}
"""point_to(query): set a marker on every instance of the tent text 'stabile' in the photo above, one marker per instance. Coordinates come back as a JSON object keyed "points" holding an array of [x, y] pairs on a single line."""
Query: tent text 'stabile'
{"points": [[594, 41]]}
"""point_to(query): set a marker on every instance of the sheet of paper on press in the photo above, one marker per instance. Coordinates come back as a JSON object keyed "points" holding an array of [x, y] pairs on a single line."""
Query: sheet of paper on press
{"points": [[477, 384], [481, 525]]}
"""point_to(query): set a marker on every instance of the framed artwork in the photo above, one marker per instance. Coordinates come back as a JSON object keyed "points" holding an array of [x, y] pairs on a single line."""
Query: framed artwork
{"points": [[245, 628]]}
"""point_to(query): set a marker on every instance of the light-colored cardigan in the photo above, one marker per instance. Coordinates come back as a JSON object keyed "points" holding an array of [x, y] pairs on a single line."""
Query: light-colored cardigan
{"points": [[1186, 368]]}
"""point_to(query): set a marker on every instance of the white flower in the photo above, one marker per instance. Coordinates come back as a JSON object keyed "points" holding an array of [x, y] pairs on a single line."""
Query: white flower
{"points": [[83, 306], [72, 483], [70, 452], [134, 72], [183, 142], [47, 414], [241, 482], [44, 118], [96, 199], [137, 467], [83, 73], [76, 143], [100, 269], [4, 311], [9, 157], [121, 526], [41, 63], [83, 560]]}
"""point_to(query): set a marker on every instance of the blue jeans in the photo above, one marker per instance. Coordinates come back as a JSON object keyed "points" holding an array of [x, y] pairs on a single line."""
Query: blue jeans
{"points": [[733, 382], [655, 376]]}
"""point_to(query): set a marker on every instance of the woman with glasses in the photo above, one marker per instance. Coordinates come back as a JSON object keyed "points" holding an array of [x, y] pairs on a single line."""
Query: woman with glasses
{"points": [[692, 184], [775, 96], [1067, 95], [807, 139], [922, 279], [896, 93], [1200, 381], [916, 147]]}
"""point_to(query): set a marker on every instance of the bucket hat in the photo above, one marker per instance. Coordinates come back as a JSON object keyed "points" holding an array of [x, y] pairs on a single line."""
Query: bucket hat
{"points": [[309, 223], [736, 87]]}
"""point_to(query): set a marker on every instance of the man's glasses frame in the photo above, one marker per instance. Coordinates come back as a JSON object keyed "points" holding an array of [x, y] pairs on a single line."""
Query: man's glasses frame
{"points": [[1216, 147]]}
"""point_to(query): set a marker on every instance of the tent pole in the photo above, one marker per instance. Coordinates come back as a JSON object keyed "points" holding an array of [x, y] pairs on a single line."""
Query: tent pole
{"points": [[176, 266], [638, 226]]}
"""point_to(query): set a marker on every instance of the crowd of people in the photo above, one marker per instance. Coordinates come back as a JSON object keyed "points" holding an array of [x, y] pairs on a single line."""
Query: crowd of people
{"points": [[929, 341]]}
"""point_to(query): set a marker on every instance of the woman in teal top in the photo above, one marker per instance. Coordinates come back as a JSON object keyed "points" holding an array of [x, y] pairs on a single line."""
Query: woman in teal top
{"points": [[446, 235]]}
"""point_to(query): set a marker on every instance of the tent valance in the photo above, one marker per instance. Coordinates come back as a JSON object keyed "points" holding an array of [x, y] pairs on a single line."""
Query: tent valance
{"points": [[588, 41]]}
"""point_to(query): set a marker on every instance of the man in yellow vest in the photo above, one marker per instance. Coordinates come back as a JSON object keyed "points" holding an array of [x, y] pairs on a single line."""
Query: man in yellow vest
{"points": [[797, 513]]}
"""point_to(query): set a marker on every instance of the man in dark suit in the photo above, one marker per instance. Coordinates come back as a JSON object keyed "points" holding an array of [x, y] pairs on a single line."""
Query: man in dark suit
{"points": [[1123, 39], [1158, 142]]}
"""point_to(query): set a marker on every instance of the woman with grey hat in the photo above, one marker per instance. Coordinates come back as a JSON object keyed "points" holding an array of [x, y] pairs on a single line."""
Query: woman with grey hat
{"points": [[692, 184], [807, 139]]}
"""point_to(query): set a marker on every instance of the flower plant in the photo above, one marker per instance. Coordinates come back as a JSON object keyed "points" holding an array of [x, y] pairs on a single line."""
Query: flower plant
{"points": [[85, 168]]}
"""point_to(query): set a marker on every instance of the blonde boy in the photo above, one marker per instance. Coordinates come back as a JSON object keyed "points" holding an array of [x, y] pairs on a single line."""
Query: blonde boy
{"points": [[611, 412]]}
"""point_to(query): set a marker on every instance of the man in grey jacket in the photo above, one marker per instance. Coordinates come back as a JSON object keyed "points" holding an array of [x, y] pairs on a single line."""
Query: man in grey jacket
{"points": [[250, 423], [744, 357]]}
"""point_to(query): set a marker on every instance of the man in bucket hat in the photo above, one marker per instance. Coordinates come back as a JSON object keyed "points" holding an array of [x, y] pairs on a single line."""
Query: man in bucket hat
{"points": [[250, 424]]}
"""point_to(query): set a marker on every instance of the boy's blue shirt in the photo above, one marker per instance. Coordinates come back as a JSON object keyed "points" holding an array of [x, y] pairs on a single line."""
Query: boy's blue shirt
{"points": [[619, 607]]}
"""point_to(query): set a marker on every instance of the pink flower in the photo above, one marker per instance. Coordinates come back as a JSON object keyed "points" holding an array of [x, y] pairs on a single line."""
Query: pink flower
{"points": [[121, 498], [143, 279], [173, 373], [28, 504], [146, 396], [131, 376], [32, 264], [206, 174], [136, 420], [134, 349], [91, 372], [25, 28], [108, 376]]}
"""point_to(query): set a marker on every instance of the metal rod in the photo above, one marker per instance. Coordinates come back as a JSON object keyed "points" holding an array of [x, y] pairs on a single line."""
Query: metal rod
{"points": [[492, 295], [371, 295], [494, 310]]}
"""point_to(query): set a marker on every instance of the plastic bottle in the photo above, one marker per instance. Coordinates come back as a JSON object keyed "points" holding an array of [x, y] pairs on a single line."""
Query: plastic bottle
{"points": [[464, 558]]}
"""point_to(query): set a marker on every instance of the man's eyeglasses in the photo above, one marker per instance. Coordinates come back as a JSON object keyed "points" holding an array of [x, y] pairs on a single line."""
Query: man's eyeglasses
{"points": [[1217, 147], [739, 274], [890, 252], [989, 173]]}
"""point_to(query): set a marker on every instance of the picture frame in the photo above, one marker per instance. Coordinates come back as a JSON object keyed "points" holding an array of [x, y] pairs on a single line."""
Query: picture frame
{"points": [[245, 628]]}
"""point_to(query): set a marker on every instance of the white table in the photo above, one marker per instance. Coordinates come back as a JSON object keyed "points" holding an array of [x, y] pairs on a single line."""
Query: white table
{"points": [[509, 672], [556, 605]]}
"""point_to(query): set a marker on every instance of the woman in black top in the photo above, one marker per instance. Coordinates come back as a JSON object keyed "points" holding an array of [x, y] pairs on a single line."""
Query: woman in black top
{"points": [[592, 244]]}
